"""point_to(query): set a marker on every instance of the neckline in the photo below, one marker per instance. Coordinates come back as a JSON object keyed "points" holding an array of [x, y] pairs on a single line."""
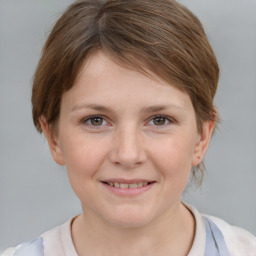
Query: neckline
{"points": [[197, 249], [198, 246], [66, 238]]}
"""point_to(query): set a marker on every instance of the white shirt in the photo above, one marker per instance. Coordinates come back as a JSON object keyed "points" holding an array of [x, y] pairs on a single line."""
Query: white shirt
{"points": [[213, 237]]}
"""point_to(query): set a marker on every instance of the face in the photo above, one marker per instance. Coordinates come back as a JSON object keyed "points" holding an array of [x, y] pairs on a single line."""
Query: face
{"points": [[128, 143]]}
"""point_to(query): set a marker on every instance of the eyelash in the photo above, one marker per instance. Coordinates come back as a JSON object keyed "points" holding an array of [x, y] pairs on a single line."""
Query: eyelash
{"points": [[90, 118], [170, 120], [84, 121]]}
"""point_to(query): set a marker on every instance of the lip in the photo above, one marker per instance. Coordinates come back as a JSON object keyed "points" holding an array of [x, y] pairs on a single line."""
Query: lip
{"points": [[127, 181], [128, 192]]}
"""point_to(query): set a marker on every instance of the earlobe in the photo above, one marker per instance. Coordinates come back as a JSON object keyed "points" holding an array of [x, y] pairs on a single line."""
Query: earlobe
{"points": [[52, 141], [203, 142]]}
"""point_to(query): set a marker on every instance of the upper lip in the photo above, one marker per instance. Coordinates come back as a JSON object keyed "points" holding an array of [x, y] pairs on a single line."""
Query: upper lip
{"points": [[127, 181]]}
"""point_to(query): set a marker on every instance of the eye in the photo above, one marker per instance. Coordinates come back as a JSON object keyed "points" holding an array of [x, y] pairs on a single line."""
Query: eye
{"points": [[160, 120], [95, 121]]}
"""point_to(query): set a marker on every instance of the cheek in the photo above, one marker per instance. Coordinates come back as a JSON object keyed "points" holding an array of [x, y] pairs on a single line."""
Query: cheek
{"points": [[173, 158], [82, 157]]}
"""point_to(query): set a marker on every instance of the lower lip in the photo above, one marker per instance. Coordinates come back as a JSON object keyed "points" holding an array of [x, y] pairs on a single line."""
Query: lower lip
{"points": [[128, 192]]}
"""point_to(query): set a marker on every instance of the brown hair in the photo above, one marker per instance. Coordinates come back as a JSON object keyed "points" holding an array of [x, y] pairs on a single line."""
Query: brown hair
{"points": [[161, 36]]}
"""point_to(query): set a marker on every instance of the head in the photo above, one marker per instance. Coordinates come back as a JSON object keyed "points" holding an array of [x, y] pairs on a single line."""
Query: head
{"points": [[152, 47], [158, 38], [161, 36]]}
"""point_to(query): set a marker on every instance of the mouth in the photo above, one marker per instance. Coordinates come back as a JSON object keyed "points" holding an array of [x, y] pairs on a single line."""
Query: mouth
{"points": [[126, 185], [128, 188]]}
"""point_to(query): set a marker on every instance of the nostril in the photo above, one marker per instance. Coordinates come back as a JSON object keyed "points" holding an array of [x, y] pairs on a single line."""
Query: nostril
{"points": [[127, 154], [126, 164]]}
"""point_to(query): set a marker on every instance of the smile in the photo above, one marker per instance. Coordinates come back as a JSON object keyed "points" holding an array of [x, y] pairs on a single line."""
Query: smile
{"points": [[128, 188], [125, 185]]}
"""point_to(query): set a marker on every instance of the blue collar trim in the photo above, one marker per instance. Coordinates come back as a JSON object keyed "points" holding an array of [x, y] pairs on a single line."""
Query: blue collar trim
{"points": [[215, 243]]}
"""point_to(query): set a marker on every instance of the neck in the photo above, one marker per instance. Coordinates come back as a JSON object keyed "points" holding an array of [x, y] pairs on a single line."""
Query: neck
{"points": [[169, 234]]}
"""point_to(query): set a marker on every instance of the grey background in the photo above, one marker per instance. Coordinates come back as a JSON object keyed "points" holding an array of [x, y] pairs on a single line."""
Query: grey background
{"points": [[34, 192]]}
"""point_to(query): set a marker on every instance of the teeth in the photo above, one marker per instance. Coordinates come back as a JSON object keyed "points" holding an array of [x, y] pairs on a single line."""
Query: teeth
{"points": [[125, 185], [133, 185], [140, 184], [122, 185]]}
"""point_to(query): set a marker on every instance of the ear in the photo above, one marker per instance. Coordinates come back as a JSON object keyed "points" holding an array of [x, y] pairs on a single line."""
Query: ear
{"points": [[52, 141], [203, 142]]}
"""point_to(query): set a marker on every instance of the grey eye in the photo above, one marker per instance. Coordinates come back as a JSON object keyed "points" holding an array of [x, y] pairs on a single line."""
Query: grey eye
{"points": [[96, 121], [160, 120]]}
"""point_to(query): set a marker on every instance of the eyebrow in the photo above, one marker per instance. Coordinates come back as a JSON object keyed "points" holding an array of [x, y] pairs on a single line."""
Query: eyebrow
{"points": [[156, 108], [145, 110], [91, 106]]}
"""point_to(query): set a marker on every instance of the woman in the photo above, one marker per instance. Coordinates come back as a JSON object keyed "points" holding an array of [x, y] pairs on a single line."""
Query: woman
{"points": [[124, 95]]}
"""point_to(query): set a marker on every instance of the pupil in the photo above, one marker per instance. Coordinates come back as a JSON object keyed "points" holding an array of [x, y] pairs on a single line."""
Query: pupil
{"points": [[97, 121], [159, 121]]}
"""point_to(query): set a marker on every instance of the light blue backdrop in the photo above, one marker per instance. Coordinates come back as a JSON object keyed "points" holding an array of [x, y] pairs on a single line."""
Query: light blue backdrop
{"points": [[34, 192]]}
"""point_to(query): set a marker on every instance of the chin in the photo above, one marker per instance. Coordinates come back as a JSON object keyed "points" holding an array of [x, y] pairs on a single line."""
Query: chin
{"points": [[130, 218]]}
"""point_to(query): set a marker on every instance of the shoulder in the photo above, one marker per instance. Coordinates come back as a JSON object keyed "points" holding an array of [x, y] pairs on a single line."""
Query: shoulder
{"points": [[234, 241], [49, 243], [33, 248], [239, 241], [8, 252]]}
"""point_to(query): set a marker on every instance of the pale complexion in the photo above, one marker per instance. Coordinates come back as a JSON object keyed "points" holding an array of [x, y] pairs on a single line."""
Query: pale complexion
{"points": [[116, 123]]}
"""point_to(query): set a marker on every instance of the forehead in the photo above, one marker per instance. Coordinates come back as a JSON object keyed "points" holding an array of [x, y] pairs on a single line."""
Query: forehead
{"points": [[102, 80], [99, 62]]}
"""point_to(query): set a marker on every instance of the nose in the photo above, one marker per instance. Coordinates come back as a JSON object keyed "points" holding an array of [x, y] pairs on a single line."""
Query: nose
{"points": [[127, 149]]}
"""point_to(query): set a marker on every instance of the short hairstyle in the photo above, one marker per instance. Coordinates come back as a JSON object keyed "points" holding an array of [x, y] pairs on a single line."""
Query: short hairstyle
{"points": [[160, 36]]}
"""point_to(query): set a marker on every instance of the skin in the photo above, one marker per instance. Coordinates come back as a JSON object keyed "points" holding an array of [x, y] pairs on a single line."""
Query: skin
{"points": [[127, 141]]}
